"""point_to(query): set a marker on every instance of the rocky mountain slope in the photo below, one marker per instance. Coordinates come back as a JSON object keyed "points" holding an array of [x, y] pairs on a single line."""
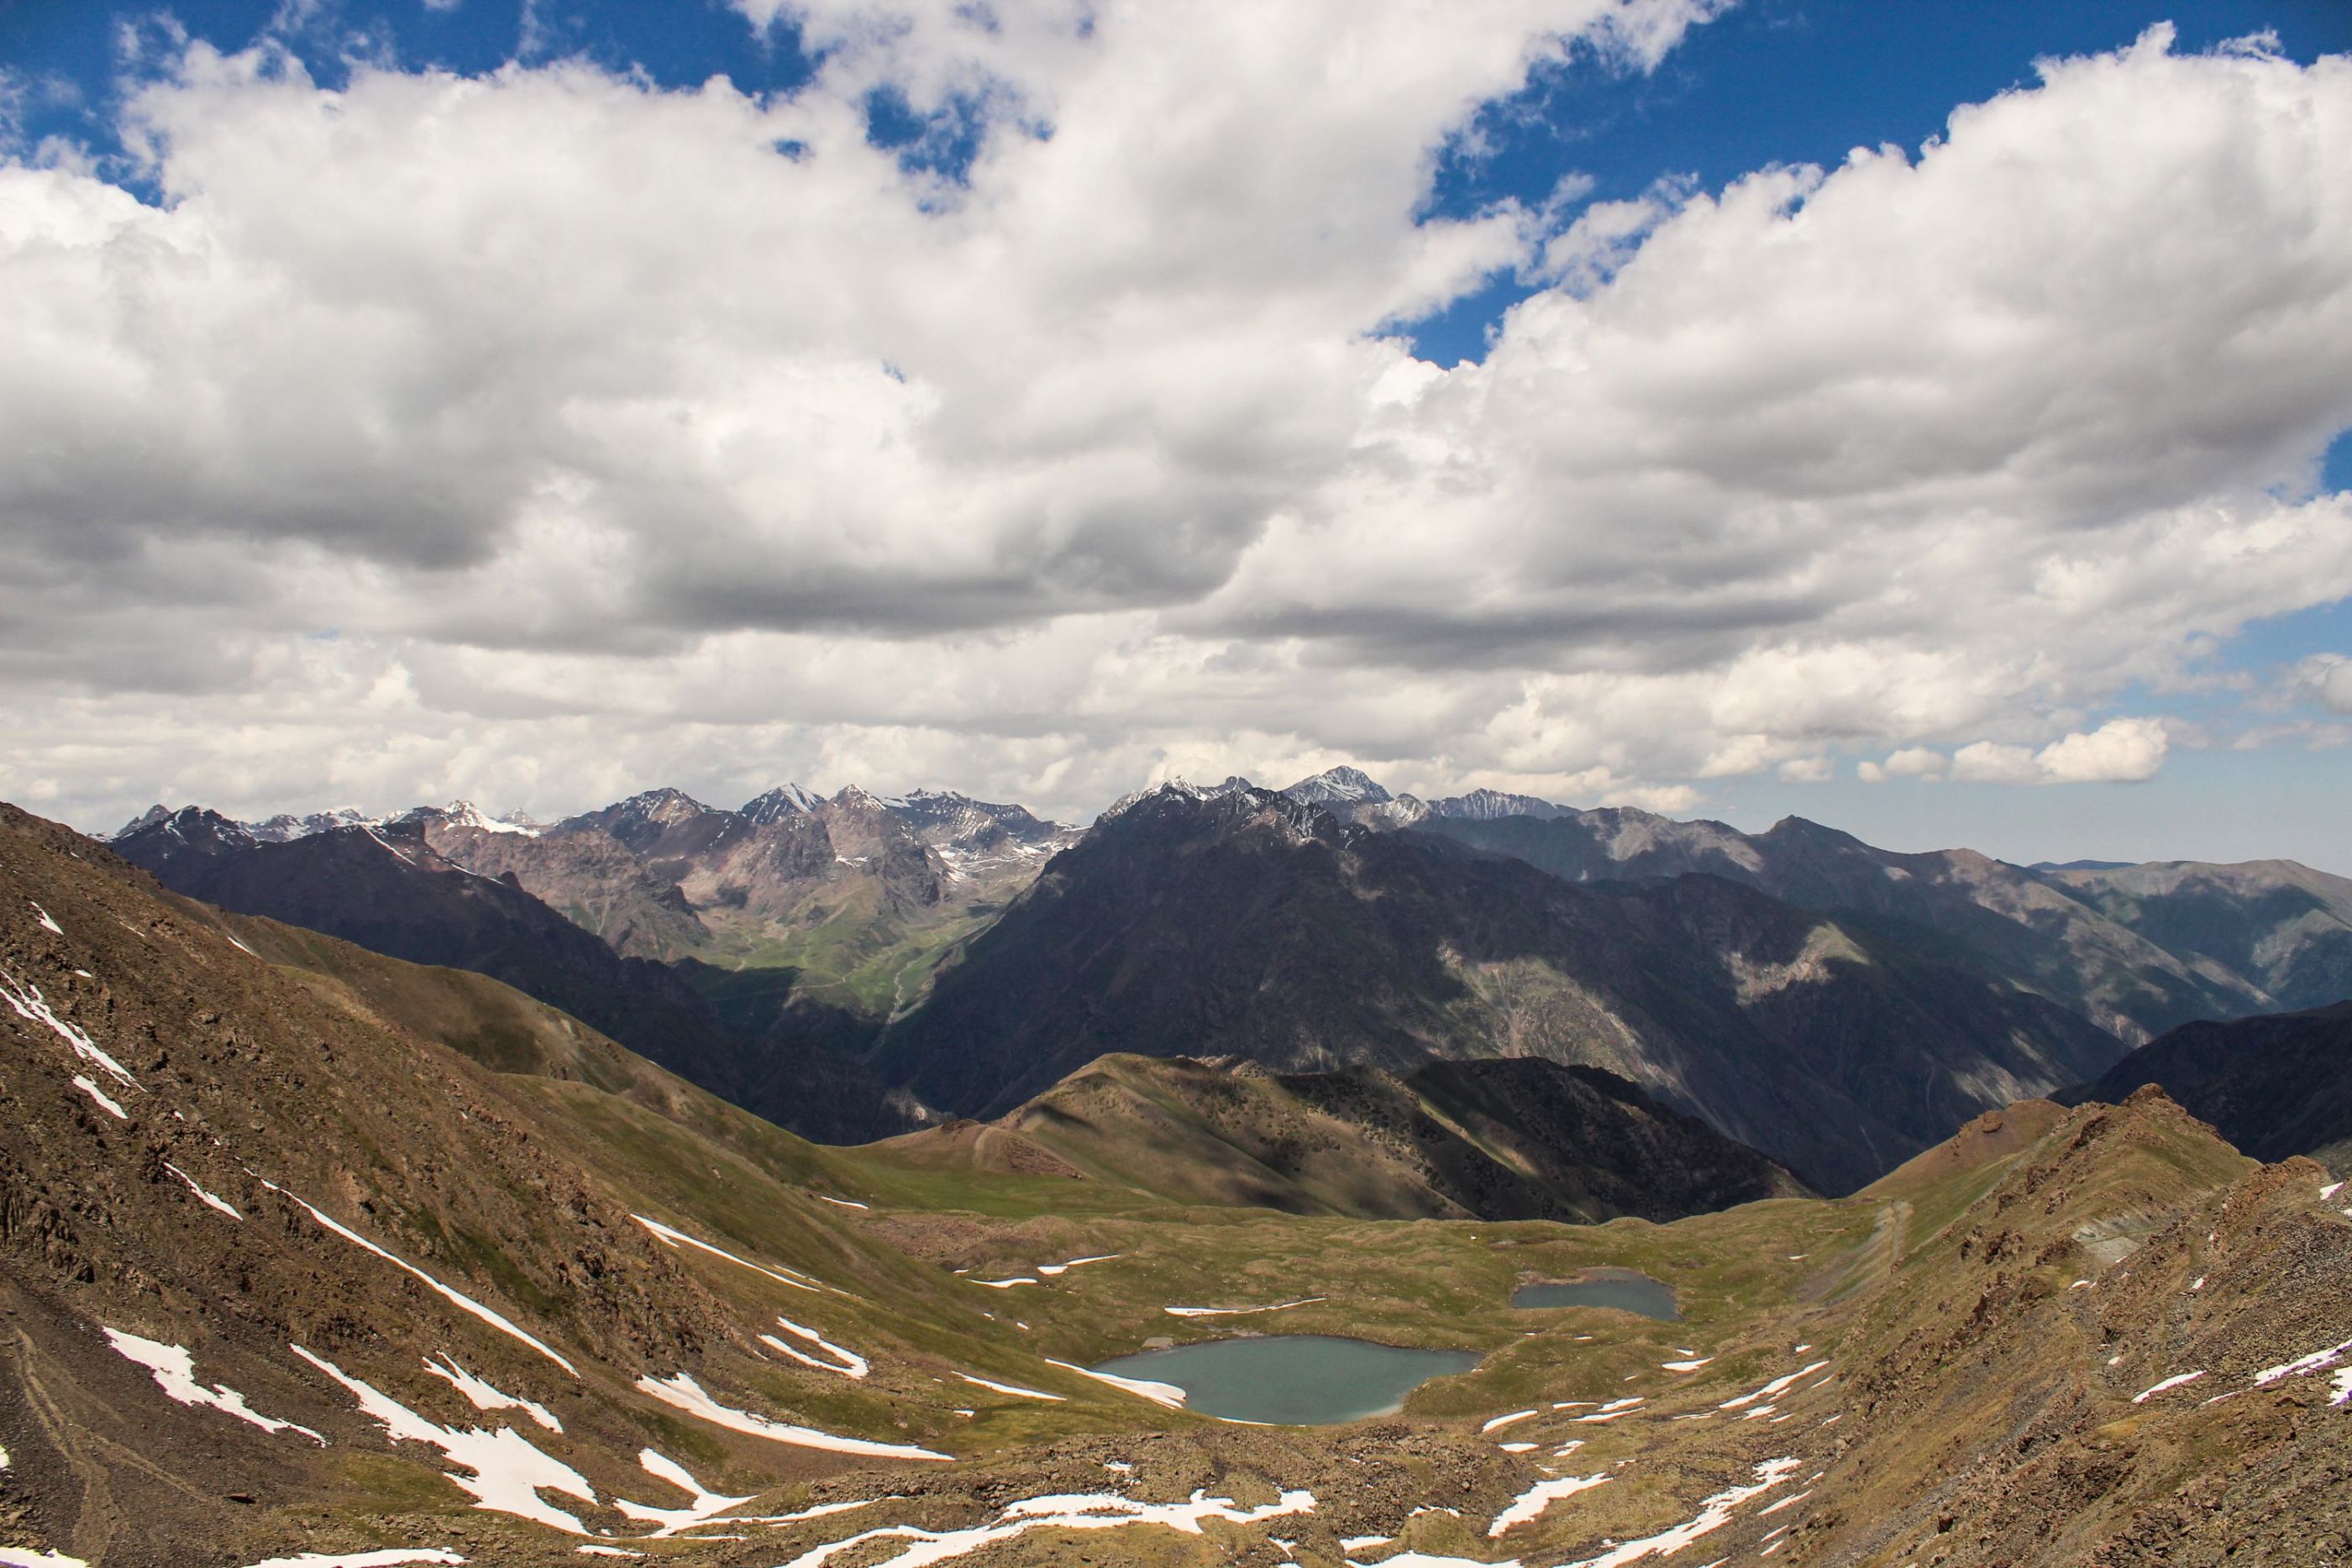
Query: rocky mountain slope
{"points": [[2275, 1086], [387, 889], [1522, 1139], [2136, 949], [280, 1275], [1254, 925]]}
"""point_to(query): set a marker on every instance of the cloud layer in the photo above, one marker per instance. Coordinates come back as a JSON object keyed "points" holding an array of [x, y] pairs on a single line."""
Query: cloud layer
{"points": [[546, 434]]}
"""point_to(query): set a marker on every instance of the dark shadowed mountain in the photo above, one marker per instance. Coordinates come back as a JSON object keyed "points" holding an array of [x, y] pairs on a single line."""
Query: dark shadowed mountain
{"points": [[390, 890], [1517, 1139], [1254, 925], [2276, 1086]]}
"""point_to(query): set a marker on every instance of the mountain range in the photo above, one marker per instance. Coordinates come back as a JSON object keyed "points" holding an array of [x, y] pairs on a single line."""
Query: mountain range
{"points": [[311, 1256], [1836, 1006]]}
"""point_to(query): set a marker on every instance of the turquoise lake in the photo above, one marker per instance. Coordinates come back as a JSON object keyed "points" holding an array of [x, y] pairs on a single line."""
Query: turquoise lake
{"points": [[1293, 1380], [1622, 1289]]}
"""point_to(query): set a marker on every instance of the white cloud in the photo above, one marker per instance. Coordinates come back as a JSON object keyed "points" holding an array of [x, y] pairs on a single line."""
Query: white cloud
{"points": [[613, 445], [2120, 751]]}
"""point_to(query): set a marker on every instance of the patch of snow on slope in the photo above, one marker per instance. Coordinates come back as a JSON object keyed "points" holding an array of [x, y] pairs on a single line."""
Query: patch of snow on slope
{"points": [[683, 1393], [852, 1364], [33, 1008], [675, 1238], [1237, 1311], [456, 1298], [1777, 1386], [386, 1558], [1502, 1421], [210, 1201], [707, 1504], [1006, 1284], [483, 1397], [2175, 1381], [509, 1472], [2317, 1359], [1713, 1515], [23, 1557], [1050, 1270], [1012, 1388], [95, 1092], [174, 1370], [53, 926], [1685, 1366], [1063, 1511], [1166, 1393], [843, 1202], [1530, 1503], [239, 945]]}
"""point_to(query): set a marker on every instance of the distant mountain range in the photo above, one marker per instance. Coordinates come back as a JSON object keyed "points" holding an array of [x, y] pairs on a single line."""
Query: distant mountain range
{"points": [[1836, 1005], [1250, 923]]}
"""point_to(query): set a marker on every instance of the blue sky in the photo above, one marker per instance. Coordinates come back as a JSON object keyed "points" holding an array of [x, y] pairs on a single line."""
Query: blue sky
{"points": [[1108, 516]]}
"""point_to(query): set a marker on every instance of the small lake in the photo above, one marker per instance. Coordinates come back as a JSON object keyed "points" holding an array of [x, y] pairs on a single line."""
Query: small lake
{"points": [[1293, 1380], [1619, 1288]]}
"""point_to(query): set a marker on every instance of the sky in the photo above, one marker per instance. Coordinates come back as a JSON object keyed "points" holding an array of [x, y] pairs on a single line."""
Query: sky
{"points": [[1929, 419]]}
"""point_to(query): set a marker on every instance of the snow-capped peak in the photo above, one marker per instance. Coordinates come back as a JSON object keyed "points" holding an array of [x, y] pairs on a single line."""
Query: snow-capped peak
{"points": [[1339, 787], [465, 814], [783, 801]]}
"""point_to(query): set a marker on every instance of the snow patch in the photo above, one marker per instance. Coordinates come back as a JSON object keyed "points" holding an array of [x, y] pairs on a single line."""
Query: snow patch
{"points": [[2327, 1356], [95, 1092], [1685, 1366], [1006, 1284], [1237, 1311], [1530, 1503], [54, 928], [851, 1365], [1501, 1421], [683, 1393], [221, 1204], [1166, 1393], [843, 1202], [1049, 1269], [459, 1299], [1012, 1388], [23, 1557], [1778, 1385], [384, 1559], [509, 1472], [1060, 1512], [482, 1396], [174, 1370], [33, 1008], [1713, 1515], [707, 1504], [677, 1238]]}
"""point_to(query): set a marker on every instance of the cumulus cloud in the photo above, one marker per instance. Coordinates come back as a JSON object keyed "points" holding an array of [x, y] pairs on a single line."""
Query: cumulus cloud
{"points": [[546, 434], [2120, 751]]}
